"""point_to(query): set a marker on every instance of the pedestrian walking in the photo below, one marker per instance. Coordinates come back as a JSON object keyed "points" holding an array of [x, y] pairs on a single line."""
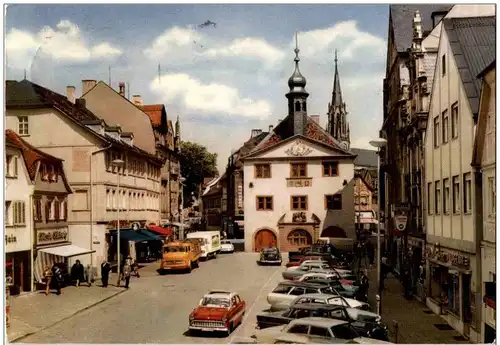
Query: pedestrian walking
{"points": [[127, 271], [77, 273], [57, 278], [135, 267], [105, 268], [361, 294], [89, 275], [47, 275]]}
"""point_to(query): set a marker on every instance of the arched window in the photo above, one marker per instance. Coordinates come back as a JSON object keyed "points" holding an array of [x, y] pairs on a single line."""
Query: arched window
{"points": [[304, 107], [299, 237], [297, 106]]}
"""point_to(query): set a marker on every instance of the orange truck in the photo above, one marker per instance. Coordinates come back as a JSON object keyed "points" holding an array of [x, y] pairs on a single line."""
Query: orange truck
{"points": [[180, 255]]}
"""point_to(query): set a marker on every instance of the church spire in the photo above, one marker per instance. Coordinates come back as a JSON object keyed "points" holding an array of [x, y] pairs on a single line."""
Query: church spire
{"points": [[338, 126], [337, 92]]}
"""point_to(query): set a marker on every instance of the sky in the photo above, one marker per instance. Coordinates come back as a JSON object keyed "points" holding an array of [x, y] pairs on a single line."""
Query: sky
{"points": [[221, 81]]}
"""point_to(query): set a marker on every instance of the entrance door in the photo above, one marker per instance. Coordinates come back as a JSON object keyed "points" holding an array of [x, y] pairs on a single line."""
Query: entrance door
{"points": [[264, 239]]}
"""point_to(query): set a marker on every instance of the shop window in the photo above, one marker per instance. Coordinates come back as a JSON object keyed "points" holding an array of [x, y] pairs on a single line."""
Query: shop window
{"points": [[454, 293]]}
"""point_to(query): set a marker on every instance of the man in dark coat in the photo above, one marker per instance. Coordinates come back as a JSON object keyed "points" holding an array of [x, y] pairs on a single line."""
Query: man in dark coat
{"points": [[77, 272], [370, 251], [57, 278], [105, 268]]}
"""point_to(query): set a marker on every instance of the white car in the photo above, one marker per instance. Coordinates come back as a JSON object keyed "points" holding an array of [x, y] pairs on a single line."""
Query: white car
{"points": [[331, 299], [287, 291], [311, 330], [226, 246]]}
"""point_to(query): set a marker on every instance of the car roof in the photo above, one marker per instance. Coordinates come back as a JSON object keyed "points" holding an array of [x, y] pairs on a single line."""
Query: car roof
{"points": [[301, 284], [319, 321], [319, 295], [316, 306]]}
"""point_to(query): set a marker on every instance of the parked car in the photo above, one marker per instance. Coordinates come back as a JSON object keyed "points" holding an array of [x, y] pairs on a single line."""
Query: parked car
{"points": [[292, 272], [298, 254], [314, 328], [217, 311], [270, 256], [346, 290], [365, 323], [331, 299], [286, 292], [226, 246], [350, 281]]}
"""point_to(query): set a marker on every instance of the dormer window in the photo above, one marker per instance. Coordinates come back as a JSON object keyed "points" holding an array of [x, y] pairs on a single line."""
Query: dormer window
{"points": [[53, 174], [45, 173]]}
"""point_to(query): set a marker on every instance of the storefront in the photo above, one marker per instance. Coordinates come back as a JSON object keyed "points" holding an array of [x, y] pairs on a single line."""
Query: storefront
{"points": [[449, 288], [417, 266], [18, 259], [52, 246], [141, 244]]}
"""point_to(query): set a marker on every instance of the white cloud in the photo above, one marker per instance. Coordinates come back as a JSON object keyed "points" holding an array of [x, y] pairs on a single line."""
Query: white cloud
{"points": [[249, 47], [64, 43], [171, 40], [212, 98]]}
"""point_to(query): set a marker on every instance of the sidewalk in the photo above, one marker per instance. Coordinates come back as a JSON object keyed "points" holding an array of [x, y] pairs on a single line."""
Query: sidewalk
{"points": [[416, 323], [34, 312]]}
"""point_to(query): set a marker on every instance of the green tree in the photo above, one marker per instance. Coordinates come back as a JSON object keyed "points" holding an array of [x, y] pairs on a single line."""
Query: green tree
{"points": [[196, 163]]}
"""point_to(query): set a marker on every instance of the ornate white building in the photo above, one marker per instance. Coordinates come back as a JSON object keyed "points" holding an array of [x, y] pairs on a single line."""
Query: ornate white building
{"points": [[298, 181]]}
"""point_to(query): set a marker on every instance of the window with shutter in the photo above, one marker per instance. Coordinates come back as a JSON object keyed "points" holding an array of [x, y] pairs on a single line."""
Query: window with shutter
{"points": [[47, 210], [65, 210], [15, 166], [56, 209], [23, 212]]}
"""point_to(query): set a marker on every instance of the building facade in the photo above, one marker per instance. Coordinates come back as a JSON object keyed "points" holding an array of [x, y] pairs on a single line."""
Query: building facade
{"points": [[365, 205], [168, 148], [18, 219], [33, 110], [484, 158], [298, 182], [453, 217], [211, 201], [234, 216]]}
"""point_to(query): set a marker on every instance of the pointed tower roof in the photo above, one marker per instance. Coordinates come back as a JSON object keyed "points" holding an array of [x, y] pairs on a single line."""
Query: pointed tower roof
{"points": [[337, 92], [297, 81]]}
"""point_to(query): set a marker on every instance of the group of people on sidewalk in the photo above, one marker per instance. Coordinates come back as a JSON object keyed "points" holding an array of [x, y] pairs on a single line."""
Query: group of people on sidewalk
{"points": [[54, 277]]}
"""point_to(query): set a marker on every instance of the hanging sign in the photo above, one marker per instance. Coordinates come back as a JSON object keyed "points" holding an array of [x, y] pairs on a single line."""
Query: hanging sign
{"points": [[401, 214]]}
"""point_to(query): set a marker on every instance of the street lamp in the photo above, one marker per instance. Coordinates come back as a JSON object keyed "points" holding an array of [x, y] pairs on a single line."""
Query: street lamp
{"points": [[118, 163], [181, 208], [378, 144]]}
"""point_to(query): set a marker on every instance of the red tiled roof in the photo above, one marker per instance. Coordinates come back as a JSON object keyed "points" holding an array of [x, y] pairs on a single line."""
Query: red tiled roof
{"points": [[154, 112], [31, 154]]}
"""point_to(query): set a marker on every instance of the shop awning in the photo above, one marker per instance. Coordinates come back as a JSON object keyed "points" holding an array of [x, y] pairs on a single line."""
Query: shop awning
{"points": [[66, 251], [149, 234], [489, 297], [159, 230], [131, 235]]}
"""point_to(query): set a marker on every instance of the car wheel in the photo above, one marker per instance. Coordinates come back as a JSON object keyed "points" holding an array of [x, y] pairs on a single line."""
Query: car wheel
{"points": [[190, 267], [230, 330]]}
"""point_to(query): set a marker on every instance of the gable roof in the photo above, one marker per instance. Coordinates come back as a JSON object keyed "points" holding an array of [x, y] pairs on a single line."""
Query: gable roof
{"points": [[247, 147], [365, 158], [314, 132], [32, 156], [154, 112], [26, 94], [402, 21], [472, 42], [361, 176]]}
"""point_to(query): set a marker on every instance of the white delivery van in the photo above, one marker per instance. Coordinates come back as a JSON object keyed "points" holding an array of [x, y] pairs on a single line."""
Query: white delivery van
{"points": [[211, 242]]}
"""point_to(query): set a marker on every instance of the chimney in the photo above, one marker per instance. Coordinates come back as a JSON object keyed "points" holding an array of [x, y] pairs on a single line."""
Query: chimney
{"points": [[87, 85], [137, 100], [121, 85], [255, 132], [315, 118], [70, 93], [271, 128]]}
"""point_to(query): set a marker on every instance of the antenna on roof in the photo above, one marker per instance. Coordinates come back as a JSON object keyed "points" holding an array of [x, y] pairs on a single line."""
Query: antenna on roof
{"points": [[25, 73], [159, 74], [109, 75], [128, 91]]}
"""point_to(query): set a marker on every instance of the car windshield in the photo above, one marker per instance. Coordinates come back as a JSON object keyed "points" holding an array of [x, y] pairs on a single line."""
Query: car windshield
{"points": [[270, 250], [215, 302], [175, 249]]}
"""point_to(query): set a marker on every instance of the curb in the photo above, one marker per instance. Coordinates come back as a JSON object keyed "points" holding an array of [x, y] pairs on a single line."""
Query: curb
{"points": [[20, 337]]}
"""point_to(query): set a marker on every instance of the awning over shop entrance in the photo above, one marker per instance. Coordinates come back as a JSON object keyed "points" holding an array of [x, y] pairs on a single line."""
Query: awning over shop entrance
{"points": [[66, 251], [131, 235], [159, 230], [149, 234], [47, 257]]}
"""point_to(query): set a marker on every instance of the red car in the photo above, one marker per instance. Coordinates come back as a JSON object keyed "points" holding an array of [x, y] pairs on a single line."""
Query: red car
{"points": [[218, 311]]}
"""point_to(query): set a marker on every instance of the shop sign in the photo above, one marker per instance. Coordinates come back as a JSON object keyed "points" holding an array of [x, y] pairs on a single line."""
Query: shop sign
{"points": [[51, 236], [114, 224], [299, 182], [10, 239], [454, 259]]}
